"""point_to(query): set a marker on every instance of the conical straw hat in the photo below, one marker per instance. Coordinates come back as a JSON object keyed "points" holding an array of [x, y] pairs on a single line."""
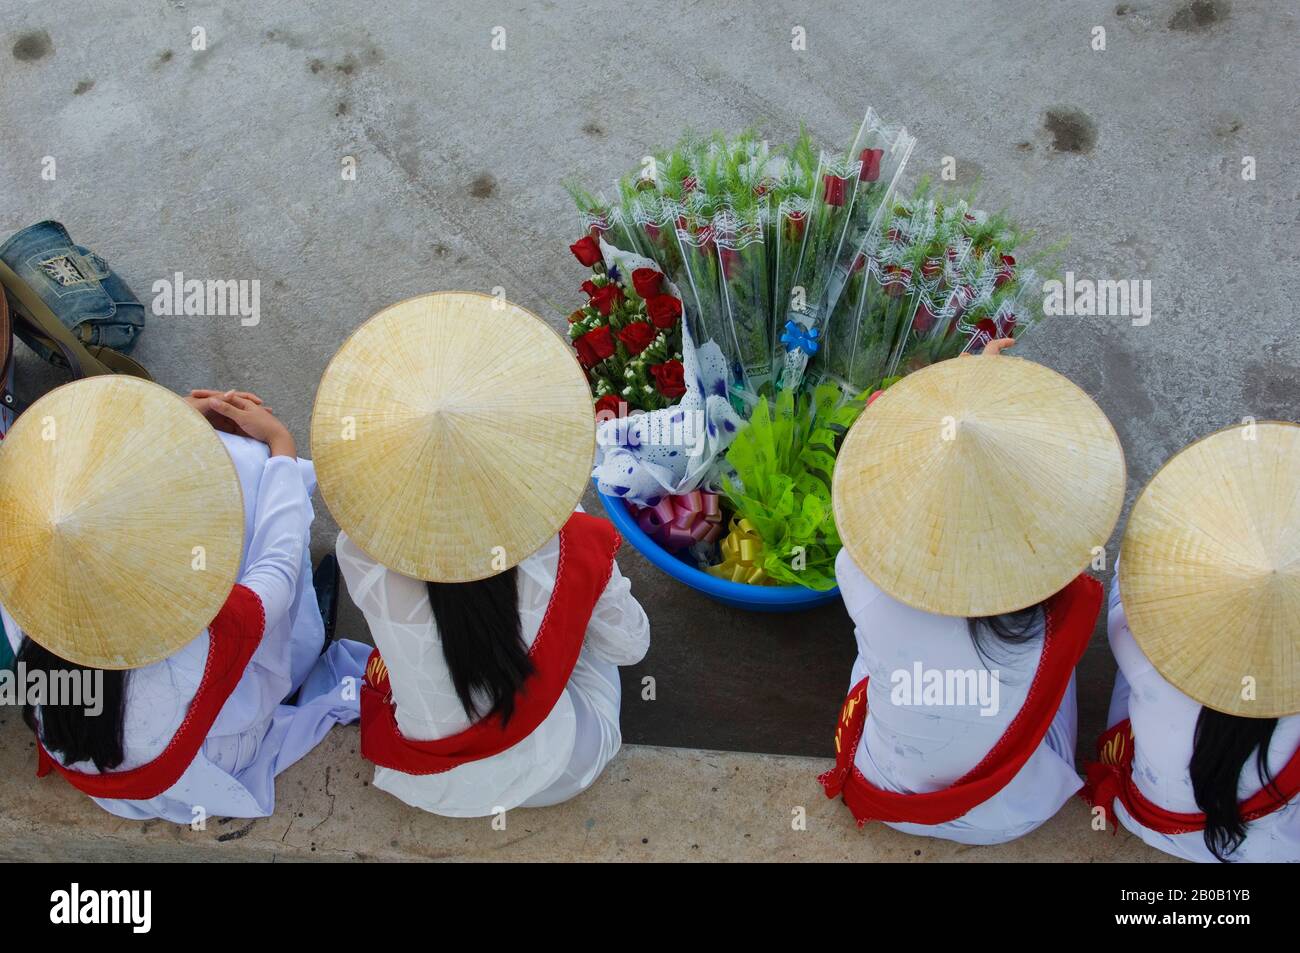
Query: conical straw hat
{"points": [[453, 435], [121, 522], [1210, 570], [978, 486]]}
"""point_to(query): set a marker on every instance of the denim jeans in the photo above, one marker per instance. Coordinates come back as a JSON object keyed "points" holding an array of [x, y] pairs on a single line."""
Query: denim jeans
{"points": [[85, 294]]}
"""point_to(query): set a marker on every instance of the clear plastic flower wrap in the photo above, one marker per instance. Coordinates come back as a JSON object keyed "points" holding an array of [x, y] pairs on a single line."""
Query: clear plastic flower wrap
{"points": [[808, 280], [654, 221], [881, 151], [743, 269], [829, 220], [791, 221], [864, 333], [702, 292]]}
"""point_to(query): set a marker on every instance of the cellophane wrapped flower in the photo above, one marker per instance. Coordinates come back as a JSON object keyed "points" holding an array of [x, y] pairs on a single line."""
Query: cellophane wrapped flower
{"points": [[627, 336], [828, 224], [881, 151], [936, 280], [699, 282], [742, 259]]}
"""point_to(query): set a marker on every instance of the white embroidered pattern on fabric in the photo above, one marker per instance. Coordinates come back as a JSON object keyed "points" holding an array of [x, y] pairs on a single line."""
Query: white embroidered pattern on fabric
{"points": [[63, 270]]}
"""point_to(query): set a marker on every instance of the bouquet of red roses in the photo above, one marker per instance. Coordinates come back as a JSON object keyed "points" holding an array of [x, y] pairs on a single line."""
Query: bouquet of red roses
{"points": [[628, 335]]}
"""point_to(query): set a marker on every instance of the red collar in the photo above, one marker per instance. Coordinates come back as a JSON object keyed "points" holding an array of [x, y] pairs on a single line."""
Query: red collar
{"points": [[587, 548], [234, 636]]}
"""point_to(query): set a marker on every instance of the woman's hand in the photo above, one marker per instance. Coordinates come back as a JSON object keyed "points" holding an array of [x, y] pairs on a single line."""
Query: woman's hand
{"points": [[200, 401], [994, 348], [256, 421]]}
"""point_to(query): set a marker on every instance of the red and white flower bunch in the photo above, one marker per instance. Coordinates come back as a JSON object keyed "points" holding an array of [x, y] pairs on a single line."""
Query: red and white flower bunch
{"points": [[628, 335]]}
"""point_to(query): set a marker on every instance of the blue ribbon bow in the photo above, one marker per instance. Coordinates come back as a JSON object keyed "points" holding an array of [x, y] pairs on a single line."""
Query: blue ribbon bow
{"points": [[797, 338]]}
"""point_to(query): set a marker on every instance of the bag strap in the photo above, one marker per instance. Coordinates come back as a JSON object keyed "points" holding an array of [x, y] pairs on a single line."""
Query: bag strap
{"points": [[47, 329], [7, 397]]}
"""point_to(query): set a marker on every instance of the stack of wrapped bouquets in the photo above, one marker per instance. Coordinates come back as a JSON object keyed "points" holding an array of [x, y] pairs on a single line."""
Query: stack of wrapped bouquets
{"points": [[745, 301]]}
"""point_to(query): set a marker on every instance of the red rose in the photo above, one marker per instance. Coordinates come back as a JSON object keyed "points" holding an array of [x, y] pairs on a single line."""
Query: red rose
{"points": [[669, 378], [664, 310], [646, 281], [794, 227], [1006, 272], [728, 258], [589, 287], [924, 319], [586, 356], [609, 405], [870, 164], [987, 329], [636, 337], [594, 346], [605, 298], [586, 250], [834, 189]]}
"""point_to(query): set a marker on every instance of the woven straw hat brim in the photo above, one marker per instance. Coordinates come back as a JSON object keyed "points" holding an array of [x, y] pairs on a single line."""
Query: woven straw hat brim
{"points": [[121, 522], [1210, 570], [978, 486], [453, 435]]}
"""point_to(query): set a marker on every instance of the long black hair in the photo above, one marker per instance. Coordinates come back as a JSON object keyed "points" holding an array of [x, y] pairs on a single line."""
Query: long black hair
{"points": [[478, 623], [1221, 747], [68, 729], [1011, 629]]}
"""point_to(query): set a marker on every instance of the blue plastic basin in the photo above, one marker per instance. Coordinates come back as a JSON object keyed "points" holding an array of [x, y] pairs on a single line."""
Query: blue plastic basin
{"points": [[737, 594]]}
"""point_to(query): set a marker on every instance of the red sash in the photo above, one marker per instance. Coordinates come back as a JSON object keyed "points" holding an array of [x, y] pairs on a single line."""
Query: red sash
{"points": [[1111, 777], [587, 548], [1071, 615], [233, 637]]}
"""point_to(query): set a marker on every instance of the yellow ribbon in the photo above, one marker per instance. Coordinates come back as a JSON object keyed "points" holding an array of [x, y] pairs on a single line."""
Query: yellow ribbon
{"points": [[742, 552]]}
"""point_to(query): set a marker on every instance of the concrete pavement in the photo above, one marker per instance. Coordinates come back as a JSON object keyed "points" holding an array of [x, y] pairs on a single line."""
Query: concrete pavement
{"points": [[226, 163], [651, 804]]}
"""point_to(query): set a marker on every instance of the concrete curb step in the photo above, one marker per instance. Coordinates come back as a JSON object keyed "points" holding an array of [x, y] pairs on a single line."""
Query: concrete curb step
{"points": [[658, 804]]}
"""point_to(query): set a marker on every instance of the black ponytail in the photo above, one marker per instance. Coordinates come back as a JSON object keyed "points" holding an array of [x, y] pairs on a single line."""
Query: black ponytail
{"points": [[1221, 747], [69, 730], [1009, 629], [478, 623]]}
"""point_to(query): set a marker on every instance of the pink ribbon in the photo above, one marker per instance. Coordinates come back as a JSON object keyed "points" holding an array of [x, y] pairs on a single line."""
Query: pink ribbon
{"points": [[677, 522]]}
